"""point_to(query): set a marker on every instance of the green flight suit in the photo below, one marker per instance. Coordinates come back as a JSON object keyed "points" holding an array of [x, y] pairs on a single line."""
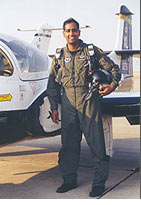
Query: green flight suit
{"points": [[79, 115]]}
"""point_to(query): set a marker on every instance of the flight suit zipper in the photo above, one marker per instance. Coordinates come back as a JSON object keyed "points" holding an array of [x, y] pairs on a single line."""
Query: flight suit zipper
{"points": [[73, 78]]}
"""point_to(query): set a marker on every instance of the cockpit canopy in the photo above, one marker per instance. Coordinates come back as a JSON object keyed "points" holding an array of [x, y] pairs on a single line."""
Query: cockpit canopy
{"points": [[6, 68], [29, 58]]}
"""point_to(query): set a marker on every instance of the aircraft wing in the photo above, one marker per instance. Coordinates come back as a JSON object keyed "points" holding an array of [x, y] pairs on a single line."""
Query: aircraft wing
{"points": [[119, 104], [134, 53]]}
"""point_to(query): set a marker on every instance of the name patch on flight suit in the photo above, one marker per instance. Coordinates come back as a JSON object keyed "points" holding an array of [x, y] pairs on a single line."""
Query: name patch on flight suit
{"points": [[80, 58], [67, 59]]}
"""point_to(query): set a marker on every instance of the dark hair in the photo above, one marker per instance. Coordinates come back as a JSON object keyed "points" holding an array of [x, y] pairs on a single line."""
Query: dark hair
{"points": [[70, 20]]}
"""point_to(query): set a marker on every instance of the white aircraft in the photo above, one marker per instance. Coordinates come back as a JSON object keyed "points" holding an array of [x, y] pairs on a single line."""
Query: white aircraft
{"points": [[24, 72]]}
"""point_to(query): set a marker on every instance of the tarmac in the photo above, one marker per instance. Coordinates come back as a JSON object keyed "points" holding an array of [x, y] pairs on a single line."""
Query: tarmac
{"points": [[29, 170]]}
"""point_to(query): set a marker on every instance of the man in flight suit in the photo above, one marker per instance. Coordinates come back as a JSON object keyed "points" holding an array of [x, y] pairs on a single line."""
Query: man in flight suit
{"points": [[79, 114]]}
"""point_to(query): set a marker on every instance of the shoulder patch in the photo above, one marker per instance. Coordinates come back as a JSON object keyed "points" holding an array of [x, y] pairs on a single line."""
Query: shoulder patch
{"points": [[100, 50]]}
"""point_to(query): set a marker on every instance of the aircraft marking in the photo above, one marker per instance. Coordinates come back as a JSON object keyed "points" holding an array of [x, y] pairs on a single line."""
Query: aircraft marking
{"points": [[5, 97], [121, 16]]}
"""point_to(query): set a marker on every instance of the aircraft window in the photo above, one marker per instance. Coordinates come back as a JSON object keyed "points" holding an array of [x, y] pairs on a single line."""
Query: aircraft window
{"points": [[20, 52], [29, 58], [6, 68], [37, 61]]}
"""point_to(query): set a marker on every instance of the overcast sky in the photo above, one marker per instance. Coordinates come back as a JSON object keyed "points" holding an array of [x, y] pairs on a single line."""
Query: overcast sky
{"points": [[99, 14]]}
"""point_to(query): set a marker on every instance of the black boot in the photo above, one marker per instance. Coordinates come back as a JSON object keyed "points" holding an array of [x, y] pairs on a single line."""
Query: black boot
{"points": [[66, 187], [97, 191]]}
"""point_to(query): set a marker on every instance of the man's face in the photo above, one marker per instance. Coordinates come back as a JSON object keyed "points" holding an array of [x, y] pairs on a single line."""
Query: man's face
{"points": [[71, 33]]}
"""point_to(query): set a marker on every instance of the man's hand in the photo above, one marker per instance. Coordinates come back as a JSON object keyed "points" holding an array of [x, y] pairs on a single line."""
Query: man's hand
{"points": [[55, 116], [106, 89]]}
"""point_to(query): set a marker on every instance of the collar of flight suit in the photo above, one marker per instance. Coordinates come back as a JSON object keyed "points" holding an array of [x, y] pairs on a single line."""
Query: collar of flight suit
{"points": [[81, 47]]}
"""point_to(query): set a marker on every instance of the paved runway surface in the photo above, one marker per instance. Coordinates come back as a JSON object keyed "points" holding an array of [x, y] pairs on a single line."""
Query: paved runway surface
{"points": [[29, 169]]}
